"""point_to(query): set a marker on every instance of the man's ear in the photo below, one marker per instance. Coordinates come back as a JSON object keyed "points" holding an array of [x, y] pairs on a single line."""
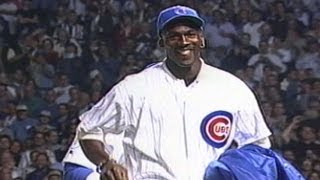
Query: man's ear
{"points": [[203, 42], [161, 42]]}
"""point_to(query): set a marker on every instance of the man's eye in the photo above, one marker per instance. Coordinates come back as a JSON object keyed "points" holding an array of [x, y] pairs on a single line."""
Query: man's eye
{"points": [[191, 35], [173, 37]]}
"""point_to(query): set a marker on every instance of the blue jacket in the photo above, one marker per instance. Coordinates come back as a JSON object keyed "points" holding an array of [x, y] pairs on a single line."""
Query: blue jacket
{"points": [[251, 162]]}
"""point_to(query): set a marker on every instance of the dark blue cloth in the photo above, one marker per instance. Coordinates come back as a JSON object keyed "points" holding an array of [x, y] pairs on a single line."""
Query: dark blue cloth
{"points": [[38, 174], [74, 171], [251, 162]]}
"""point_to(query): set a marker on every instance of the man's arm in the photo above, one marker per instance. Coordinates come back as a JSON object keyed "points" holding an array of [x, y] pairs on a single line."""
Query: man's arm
{"points": [[107, 167], [251, 127], [106, 114], [95, 151]]}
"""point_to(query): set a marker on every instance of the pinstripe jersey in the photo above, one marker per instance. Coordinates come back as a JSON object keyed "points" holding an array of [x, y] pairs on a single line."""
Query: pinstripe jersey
{"points": [[170, 130]]}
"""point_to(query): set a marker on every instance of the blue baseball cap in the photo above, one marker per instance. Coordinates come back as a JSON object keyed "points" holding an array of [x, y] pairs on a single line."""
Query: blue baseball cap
{"points": [[178, 12]]}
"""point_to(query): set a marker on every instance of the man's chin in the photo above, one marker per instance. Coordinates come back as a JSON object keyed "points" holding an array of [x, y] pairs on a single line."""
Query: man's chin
{"points": [[184, 64]]}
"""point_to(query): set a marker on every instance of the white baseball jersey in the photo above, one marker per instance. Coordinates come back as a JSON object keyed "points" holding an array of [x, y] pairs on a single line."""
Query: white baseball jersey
{"points": [[170, 130]]}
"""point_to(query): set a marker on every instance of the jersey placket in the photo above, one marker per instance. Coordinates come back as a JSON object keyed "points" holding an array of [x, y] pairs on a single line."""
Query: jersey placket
{"points": [[187, 114]]}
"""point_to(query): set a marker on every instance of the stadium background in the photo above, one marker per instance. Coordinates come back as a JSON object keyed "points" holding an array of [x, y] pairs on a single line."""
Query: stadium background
{"points": [[58, 57]]}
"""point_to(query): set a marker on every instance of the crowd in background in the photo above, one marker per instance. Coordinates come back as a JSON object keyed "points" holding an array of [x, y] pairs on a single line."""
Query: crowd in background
{"points": [[59, 57]]}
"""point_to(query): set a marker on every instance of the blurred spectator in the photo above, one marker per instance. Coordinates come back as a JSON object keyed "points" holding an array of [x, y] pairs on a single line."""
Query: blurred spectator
{"points": [[307, 167], [44, 125], [273, 94], [39, 146], [27, 18], [79, 6], [23, 126], [62, 89], [278, 19], [306, 134], [18, 79], [5, 96], [290, 156], [95, 96], [265, 34], [9, 114], [316, 166], [41, 71], [28, 168], [219, 33], [96, 82], [4, 33], [5, 143], [7, 13], [295, 40], [314, 176], [42, 165], [252, 27], [315, 28], [65, 117], [125, 29], [241, 19], [107, 65], [72, 65], [309, 58], [62, 39], [265, 58], [53, 143], [51, 56], [239, 56], [50, 105], [8, 165], [284, 53], [45, 9], [290, 86], [54, 175], [16, 150], [277, 121], [78, 100], [32, 98], [4, 130], [248, 78], [19, 56], [73, 27]]}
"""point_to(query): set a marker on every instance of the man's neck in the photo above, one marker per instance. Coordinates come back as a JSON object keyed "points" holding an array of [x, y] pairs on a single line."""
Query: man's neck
{"points": [[188, 74]]}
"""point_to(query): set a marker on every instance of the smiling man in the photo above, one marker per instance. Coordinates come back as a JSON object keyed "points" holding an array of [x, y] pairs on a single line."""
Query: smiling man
{"points": [[173, 118]]}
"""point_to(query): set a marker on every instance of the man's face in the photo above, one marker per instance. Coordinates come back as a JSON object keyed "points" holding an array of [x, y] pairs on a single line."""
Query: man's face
{"points": [[183, 44], [263, 47]]}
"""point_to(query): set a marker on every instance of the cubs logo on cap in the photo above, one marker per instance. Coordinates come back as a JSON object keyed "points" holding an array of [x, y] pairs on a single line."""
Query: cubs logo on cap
{"points": [[216, 128], [175, 12]]}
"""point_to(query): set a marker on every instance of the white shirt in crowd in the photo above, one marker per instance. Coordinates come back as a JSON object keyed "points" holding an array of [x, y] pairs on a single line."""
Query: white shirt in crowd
{"points": [[272, 59]]}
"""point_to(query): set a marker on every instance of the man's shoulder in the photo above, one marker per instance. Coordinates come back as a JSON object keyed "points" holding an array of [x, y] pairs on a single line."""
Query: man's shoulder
{"points": [[220, 76], [143, 79], [149, 72], [217, 73]]}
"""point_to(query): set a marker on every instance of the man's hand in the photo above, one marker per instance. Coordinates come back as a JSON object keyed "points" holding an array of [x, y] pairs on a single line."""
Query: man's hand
{"points": [[113, 171]]}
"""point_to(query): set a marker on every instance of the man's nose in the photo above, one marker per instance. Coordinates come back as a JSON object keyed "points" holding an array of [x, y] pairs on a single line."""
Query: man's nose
{"points": [[184, 39]]}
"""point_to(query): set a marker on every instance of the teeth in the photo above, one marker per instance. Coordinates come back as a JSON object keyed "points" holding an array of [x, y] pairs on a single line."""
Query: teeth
{"points": [[184, 52]]}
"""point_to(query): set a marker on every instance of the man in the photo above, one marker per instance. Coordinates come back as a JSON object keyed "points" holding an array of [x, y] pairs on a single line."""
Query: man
{"points": [[174, 117]]}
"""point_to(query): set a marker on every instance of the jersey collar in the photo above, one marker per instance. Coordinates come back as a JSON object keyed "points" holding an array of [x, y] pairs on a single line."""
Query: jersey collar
{"points": [[201, 75]]}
